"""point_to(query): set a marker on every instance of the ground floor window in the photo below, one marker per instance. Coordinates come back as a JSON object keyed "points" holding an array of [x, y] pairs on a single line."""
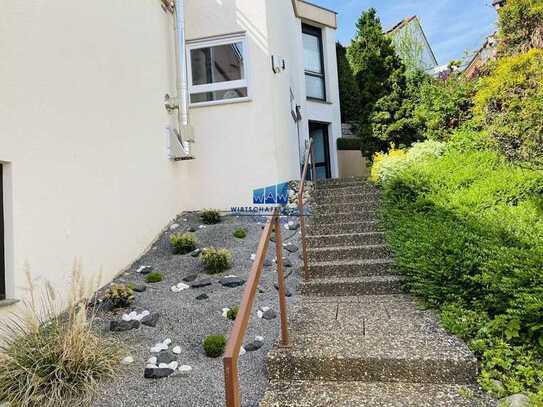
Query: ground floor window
{"points": [[318, 132]]}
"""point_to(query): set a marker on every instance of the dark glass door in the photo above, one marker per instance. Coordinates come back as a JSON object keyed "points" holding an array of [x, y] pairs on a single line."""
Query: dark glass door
{"points": [[2, 236], [318, 132]]}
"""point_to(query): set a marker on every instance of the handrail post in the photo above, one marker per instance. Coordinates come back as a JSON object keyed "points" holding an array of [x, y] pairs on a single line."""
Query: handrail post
{"points": [[231, 383], [281, 283]]}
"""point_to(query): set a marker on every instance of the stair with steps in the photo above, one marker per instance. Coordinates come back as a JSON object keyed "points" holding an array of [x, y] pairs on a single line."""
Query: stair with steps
{"points": [[356, 340]]}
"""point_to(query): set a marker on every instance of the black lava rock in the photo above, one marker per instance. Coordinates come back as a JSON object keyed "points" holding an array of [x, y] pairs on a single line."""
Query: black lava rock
{"points": [[166, 356], [291, 248], [232, 282], [151, 320], [201, 283], [139, 288], [287, 292], [192, 229], [267, 262], [122, 326], [157, 373], [253, 346], [146, 270], [190, 278], [196, 253], [287, 262], [202, 297], [104, 306], [269, 314]]}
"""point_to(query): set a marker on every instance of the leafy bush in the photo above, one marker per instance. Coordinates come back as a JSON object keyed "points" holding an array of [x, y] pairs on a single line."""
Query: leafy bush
{"points": [[154, 277], [508, 105], [389, 165], [232, 313], [48, 360], [444, 105], [467, 229], [210, 216], [348, 144], [240, 233], [120, 295], [216, 260], [214, 345], [520, 26], [183, 243]]}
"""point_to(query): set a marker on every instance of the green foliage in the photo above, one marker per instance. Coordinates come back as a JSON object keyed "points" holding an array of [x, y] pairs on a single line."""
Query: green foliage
{"points": [[214, 345], [120, 295], [373, 61], [349, 95], [520, 26], [154, 277], [508, 105], [216, 260], [48, 360], [183, 243], [232, 313], [240, 233], [348, 143], [393, 121], [467, 229], [444, 105], [210, 216]]}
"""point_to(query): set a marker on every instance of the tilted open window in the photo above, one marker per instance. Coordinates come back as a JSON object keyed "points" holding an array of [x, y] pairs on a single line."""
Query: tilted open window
{"points": [[217, 70]]}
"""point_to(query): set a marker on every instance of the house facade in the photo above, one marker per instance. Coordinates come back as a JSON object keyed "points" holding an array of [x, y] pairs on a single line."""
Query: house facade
{"points": [[96, 159]]}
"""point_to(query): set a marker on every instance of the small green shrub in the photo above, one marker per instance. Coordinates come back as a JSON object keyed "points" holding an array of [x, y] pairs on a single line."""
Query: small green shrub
{"points": [[216, 260], [214, 345], [232, 313], [120, 295], [348, 144], [154, 277], [240, 233], [210, 216], [183, 243]]}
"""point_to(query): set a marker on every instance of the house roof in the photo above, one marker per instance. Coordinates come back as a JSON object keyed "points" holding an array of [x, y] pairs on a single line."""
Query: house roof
{"points": [[404, 23], [401, 24]]}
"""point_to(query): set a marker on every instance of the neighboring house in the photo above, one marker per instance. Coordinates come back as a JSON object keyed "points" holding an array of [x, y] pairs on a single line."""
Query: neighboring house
{"points": [[412, 45], [487, 52], [87, 136]]}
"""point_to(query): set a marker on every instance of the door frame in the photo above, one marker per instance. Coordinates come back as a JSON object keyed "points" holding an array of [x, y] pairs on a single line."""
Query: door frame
{"points": [[315, 125], [3, 293]]}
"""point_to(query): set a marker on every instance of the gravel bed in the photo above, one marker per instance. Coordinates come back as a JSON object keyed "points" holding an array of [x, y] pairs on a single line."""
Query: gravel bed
{"points": [[187, 321]]}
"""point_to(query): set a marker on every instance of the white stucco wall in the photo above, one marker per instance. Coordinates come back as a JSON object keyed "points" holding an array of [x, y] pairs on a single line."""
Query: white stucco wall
{"points": [[82, 130]]}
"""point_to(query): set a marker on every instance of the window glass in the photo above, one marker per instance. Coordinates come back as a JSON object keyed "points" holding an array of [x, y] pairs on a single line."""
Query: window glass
{"points": [[314, 87], [312, 53], [218, 95], [221, 63]]}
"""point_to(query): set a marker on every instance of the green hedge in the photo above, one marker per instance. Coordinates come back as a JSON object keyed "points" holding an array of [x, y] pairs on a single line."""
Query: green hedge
{"points": [[344, 143], [467, 230]]}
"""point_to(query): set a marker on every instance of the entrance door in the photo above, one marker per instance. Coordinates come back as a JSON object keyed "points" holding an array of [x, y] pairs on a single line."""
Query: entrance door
{"points": [[318, 132], [2, 237]]}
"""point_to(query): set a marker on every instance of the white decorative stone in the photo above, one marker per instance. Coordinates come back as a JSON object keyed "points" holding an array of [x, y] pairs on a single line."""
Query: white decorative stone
{"points": [[150, 366], [152, 360], [156, 349], [242, 351], [259, 338], [182, 286], [176, 350], [126, 317], [167, 342], [185, 370], [145, 313], [185, 220], [163, 366], [264, 309], [225, 312], [201, 227], [175, 289], [127, 360], [173, 365], [133, 315], [174, 226], [259, 314], [253, 257]]}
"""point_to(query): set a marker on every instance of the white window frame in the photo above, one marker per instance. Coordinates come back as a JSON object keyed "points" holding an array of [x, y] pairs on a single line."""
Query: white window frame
{"points": [[213, 87]]}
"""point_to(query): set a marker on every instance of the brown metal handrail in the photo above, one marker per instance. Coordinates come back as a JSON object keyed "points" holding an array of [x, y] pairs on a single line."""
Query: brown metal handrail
{"points": [[235, 340], [301, 206]]}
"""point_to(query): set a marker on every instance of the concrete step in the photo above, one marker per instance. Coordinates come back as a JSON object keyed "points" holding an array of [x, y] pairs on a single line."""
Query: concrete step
{"points": [[366, 252], [325, 229], [359, 285], [336, 181], [346, 239], [349, 217], [338, 185], [379, 394], [349, 190], [351, 268], [351, 198], [349, 207], [372, 339]]}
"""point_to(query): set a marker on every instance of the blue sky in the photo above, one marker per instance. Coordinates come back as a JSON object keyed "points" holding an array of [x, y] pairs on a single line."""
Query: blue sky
{"points": [[452, 26]]}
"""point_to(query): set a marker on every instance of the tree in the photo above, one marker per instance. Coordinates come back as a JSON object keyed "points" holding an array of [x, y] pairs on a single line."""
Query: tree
{"points": [[349, 94], [520, 26], [374, 61]]}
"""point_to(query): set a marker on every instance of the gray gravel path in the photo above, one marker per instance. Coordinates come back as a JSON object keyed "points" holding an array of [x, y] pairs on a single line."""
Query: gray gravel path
{"points": [[188, 321]]}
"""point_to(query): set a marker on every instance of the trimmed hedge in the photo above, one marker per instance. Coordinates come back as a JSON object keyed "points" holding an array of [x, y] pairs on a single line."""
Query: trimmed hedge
{"points": [[348, 144]]}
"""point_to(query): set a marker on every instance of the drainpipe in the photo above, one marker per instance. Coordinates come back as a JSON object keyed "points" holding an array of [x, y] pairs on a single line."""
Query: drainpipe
{"points": [[184, 129]]}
